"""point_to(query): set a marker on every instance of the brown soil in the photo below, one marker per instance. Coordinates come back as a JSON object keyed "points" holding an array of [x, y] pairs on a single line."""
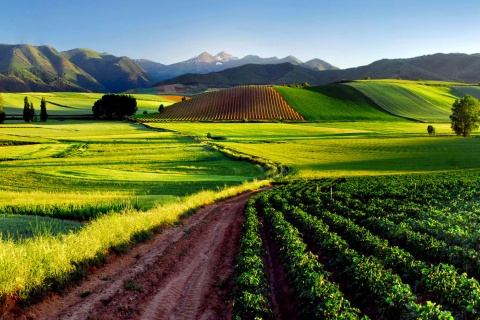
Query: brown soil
{"points": [[185, 272]]}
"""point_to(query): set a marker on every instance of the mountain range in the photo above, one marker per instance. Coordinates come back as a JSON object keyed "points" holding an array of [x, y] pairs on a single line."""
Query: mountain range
{"points": [[207, 63], [26, 68], [42, 68], [456, 67]]}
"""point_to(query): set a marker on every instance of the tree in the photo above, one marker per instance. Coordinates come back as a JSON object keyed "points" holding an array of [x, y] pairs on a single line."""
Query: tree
{"points": [[43, 110], [431, 130], [161, 109], [2, 112], [32, 112], [26, 110], [114, 107], [465, 115]]}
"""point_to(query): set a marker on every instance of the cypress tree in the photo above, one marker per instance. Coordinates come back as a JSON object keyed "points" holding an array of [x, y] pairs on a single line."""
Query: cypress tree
{"points": [[32, 112], [2, 112], [43, 110], [26, 110]]}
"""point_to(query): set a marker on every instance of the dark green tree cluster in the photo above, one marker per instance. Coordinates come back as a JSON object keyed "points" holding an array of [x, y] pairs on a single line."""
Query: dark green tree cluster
{"points": [[114, 107], [431, 130], [2, 112], [465, 115], [28, 110]]}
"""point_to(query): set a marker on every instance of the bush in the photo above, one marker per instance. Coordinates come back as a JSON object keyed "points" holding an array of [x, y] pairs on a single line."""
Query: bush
{"points": [[114, 107]]}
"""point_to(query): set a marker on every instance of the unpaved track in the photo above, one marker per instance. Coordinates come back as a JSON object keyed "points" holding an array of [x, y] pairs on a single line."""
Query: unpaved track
{"points": [[183, 273]]}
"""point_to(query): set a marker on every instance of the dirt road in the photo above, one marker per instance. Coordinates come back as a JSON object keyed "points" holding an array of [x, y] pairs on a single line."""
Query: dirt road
{"points": [[183, 273]]}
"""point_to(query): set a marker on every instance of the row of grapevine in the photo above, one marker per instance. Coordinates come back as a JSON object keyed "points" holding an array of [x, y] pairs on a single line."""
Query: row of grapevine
{"points": [[406, 246], [367, 277], [235, 104], [319, 298], [251, 295]]}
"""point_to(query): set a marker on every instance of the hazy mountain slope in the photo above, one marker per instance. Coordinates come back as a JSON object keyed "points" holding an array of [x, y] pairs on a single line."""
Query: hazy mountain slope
{"points": [[115, 74], [31, 68], [445, 67], [207, 63]]}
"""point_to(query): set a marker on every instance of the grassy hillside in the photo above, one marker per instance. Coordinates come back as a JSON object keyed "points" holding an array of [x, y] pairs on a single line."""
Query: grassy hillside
{"points": [[333, 103], [409, 100], [116, 74], [236, 104], [474, 91]]}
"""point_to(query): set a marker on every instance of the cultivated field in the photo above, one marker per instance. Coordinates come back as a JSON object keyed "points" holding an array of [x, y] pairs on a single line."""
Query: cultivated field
{"points": [[375, 219], [236, 104]]}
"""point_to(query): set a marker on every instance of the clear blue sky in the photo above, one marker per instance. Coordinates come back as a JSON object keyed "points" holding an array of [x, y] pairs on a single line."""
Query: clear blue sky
{"points": [[346, 33]]}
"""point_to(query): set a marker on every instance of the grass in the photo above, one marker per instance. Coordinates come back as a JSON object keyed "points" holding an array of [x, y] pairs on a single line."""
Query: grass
{"points": [[346, 148], [71, 103], [98, 157], [38, 265], [397, 99], [474, 91], [16, 227], [333, 103]]}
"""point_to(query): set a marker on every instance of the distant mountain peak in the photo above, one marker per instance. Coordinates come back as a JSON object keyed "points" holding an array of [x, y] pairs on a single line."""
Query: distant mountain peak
{"points": [[225, 56]]}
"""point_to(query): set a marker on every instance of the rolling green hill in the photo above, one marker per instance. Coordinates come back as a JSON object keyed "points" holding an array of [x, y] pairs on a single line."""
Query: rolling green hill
{"points": [[408, 100], [333, 103], [474, 91]]}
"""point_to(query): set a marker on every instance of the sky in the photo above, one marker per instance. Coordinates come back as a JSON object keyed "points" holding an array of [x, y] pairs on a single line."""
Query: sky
{"points": [[345, 33]]}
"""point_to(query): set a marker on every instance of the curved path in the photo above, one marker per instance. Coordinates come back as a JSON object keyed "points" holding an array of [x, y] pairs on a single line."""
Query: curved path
{"points": [[185, 272]]}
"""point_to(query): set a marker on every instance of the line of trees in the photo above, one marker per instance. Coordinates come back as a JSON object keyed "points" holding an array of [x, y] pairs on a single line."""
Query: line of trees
{"points": [[29, 114]]}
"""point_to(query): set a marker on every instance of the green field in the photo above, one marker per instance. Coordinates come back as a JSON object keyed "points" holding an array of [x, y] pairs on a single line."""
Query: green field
{"points": [[333, 103], [71, 103], [410, 101], [21, 227], [344, 148], [106, 157]]}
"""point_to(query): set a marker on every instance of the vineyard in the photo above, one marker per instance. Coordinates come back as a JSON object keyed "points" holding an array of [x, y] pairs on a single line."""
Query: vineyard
{"points": [[236, 104], [401, 247]]}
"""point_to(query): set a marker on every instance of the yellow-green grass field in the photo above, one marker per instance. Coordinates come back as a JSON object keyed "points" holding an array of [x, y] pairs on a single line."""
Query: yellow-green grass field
{"points": [[345, 148], [72, 165], [405, 101], [71, 103], [112, 157]]}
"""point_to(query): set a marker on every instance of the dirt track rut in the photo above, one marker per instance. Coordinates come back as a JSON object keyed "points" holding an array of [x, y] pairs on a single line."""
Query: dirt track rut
{"points": [[183, 273]]}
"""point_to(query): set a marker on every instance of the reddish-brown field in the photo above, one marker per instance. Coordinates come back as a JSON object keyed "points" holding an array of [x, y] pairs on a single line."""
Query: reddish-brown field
{"points": [[236, 104]]}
